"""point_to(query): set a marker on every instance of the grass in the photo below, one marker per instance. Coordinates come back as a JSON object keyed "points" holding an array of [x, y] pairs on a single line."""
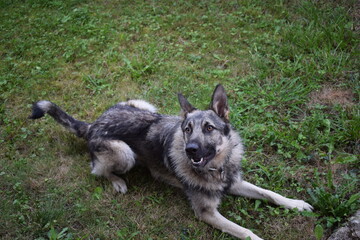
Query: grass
{"points": [[291, 72]]}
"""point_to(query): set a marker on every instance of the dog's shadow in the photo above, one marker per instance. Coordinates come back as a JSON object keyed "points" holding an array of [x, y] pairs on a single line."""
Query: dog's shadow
{"points": [[143, 189]]}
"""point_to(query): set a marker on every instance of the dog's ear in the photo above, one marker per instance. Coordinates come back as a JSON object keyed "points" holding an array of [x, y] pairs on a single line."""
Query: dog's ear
{"points": [[185, 105], [219, 103]]}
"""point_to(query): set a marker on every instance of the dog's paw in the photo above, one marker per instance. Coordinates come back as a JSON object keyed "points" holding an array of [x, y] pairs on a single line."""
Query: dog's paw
{"points": [[249, 235], [299, 205], [119, 185]]}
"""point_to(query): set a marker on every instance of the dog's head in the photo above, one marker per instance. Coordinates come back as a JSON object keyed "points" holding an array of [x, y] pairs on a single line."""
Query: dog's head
{"points": [[205, 132]]}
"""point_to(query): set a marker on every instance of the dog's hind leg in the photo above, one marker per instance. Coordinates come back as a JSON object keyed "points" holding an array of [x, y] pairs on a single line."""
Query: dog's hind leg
{"points": [[246, 189], [111, 159]]}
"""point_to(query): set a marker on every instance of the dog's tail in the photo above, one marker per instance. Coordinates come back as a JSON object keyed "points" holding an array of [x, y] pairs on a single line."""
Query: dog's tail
{"points": [[78, 127]]}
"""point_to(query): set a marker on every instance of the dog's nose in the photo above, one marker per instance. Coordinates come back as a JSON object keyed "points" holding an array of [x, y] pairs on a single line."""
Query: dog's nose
{"points": [[191, 148]]}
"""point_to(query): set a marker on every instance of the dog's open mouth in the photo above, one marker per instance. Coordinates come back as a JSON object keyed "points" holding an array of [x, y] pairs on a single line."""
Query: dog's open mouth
{"points": [[201, 162]]}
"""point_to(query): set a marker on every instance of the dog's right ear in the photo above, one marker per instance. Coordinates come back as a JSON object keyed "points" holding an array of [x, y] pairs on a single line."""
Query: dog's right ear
{"points": [[185, 105]]}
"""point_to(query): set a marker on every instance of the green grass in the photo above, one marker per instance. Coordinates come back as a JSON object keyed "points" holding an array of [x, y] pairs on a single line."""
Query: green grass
{"points": [[291, 72]]}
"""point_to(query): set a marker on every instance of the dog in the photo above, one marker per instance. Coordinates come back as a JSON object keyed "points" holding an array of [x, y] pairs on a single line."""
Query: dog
{"points": [[198, 151]]}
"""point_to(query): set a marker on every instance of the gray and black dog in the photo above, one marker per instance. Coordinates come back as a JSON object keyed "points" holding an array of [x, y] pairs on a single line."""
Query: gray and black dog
{"points": [[198, 151]]}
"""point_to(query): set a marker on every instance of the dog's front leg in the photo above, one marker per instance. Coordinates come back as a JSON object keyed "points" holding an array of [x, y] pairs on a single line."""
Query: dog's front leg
{"points": [[249, 190], [214, 218], [205, 208]]}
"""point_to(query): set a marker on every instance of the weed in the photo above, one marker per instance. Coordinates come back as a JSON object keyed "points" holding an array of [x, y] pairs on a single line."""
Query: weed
{"points": [[96, 85], [97, 193], [335, 202], [319, 232], [53, 234]]}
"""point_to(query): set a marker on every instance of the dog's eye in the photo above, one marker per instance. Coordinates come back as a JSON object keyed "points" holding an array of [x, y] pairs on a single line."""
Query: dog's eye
{"points": [[187, 130], [209, 128]]}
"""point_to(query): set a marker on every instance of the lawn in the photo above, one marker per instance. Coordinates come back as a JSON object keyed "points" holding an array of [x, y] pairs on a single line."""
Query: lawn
{"points": [[291, 70]]}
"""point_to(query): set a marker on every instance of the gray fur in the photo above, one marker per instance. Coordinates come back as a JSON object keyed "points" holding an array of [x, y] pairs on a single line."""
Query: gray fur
{"points": [[198, 152]]}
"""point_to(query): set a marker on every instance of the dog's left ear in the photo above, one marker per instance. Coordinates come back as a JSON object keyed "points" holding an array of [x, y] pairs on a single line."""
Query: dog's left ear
{"points": [[219, 103]]}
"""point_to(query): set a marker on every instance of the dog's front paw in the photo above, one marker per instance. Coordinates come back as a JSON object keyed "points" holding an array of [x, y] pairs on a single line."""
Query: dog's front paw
{"points": [[299, 204], [119, 185]]}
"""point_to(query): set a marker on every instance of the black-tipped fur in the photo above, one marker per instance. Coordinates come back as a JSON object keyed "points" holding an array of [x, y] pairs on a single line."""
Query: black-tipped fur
{"points": [[37, 112], [40, 108]]}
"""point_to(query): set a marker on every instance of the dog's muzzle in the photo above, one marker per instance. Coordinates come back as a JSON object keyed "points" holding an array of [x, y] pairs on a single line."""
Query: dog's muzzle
{"points": [[198, 156]]}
